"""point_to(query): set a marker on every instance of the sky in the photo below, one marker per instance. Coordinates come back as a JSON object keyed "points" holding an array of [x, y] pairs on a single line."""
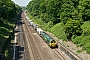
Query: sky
{"points": [[21, 2]]}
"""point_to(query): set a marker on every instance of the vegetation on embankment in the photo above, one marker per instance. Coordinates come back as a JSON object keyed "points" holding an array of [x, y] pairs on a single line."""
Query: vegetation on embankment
{"points": [[84, 40], [66, 19], [59, 32], [8, 16]]}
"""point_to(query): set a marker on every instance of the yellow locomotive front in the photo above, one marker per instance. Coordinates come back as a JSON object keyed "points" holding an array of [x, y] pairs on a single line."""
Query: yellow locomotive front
{"points": [[53, 44]]}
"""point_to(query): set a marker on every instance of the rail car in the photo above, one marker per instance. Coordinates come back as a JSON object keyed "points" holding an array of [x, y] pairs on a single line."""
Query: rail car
{"points": [[50, 41], [35, 26], [30, 20], [39, 30], [31, 23]]}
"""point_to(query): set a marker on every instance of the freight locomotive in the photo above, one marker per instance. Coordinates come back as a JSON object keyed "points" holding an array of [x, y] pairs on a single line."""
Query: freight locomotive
{"points": [[48, 39], [51, 42]]}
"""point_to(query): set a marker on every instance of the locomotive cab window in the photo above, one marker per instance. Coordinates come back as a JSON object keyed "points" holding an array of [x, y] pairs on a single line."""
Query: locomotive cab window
{"points": [[53, 41]]}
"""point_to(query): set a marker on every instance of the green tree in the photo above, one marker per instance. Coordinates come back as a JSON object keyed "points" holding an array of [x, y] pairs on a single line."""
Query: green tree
{"points": [[43, 7], [84, 9], [66, 10], [73, 27], [52, 10]]}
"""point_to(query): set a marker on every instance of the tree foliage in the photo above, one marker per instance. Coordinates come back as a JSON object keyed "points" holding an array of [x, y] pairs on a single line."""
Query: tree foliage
{"points": [[45, 7], [71, 12], [8, 9], [67, 9], [8, 17], [84, 8], [72, 27]]}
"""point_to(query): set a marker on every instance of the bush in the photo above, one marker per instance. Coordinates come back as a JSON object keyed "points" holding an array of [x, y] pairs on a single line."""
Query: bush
{"points": [[50, 24], [86, 28], [88, 50], [7, 55], [84, 40], [87, 47], [58, 31], [77, 40]]}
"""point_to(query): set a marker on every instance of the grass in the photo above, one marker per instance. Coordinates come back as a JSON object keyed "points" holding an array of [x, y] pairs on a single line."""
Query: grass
{"points": [[79, 51], [58, 31]]}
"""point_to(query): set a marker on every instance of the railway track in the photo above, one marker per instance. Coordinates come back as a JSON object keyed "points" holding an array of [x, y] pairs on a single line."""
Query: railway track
{"points": [[21, 47], [34, 49], [34, 46], [39, 52], [59, 54]]}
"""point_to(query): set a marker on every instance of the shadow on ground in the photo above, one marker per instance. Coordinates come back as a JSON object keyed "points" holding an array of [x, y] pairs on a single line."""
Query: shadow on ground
{"points": [[19, 52]]}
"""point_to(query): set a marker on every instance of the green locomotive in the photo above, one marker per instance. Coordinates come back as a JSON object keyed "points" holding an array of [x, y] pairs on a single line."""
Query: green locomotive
{"points": [[51, 42]]}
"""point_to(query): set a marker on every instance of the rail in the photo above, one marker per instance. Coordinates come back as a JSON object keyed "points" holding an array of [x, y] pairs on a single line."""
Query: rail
{"points": [[69, 53]]}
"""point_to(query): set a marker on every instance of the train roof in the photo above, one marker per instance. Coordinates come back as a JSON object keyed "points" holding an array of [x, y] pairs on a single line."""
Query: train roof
{"points": [[46, 35]]}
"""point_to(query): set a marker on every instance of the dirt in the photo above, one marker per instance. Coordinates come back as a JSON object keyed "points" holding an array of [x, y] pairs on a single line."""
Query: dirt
{"points": [[71, 46]]}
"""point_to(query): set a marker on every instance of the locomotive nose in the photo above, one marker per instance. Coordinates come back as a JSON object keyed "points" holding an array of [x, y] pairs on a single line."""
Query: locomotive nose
{"points": [[53, 44]]}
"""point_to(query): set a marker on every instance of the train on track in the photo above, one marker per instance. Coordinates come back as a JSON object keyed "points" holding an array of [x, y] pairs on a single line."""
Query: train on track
{"points": [[48, 39], [51, 42]]}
